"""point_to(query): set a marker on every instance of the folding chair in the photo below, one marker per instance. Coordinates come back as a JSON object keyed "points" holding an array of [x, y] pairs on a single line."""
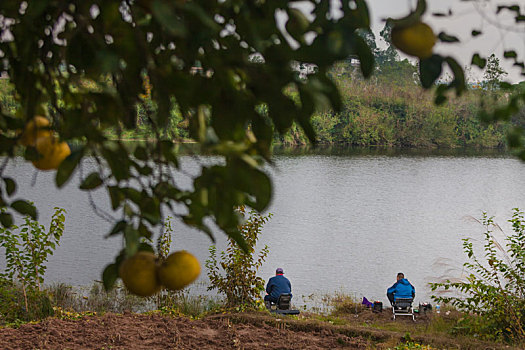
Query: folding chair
{"points": [[284, 301], [282, 306], [403, 307]]}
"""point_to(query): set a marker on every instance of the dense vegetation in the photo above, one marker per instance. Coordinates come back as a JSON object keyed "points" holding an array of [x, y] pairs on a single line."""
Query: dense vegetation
{"points": [[390, 109], [493, 286]]}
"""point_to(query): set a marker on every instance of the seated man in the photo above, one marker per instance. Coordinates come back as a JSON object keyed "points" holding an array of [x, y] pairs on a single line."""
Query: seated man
{"points": [[401, 289], [276, 286]]}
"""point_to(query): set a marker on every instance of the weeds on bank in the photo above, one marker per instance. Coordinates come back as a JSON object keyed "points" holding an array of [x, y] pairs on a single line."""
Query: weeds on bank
{"points": [[412, 345], [71, 315], [184, 303], [491, 295], [119, 300]]}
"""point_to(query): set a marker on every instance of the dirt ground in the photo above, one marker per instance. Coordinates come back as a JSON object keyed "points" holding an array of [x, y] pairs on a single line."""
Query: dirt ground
{"points": [[222, 331], [134, 331]]}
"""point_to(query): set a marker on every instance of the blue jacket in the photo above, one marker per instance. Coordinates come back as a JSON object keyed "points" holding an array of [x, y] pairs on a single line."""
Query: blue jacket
{"points": [[278, 285], [402, 289]]}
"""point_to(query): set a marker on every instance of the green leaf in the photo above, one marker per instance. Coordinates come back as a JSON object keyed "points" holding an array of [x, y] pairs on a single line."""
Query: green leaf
{"points": [[6, 220], [166, 14], [10, 186], [145, 247], [66, 168], [119, 227], [444, 37], [109, 276], [476, 33], [92, 181], [116, 196], [413, 17], [440, 99], [238, 238], [254, 182], [25, 208], [510, 54], [365, 55], [459, 76], [478, 61], [141, 153], [131, 237], [430, 70]]}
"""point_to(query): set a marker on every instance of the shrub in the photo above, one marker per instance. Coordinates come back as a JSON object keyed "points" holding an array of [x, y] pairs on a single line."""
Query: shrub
{"points": [[494, 290], [238, 279], [17, 305], [27, 251]]}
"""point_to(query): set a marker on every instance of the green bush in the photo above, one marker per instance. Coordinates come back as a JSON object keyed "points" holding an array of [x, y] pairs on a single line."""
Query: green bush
{"points": [[235, 275], [27, 249], [493, 294], [13, 307]]}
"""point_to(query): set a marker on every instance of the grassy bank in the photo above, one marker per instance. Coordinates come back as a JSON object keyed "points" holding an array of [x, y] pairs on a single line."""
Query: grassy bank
{"points": [[343, 318]]}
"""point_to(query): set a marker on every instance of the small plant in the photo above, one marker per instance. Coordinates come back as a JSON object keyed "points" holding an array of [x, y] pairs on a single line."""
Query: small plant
{"points": [[18, 306], [412, 345], [165, 239], [494, 289], [238, 279], [183, 302], [27, 250]]}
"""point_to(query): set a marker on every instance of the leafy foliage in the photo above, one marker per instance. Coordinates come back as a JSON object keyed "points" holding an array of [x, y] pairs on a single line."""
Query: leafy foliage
{"points": [[18, 305], [27, 251], [165, 239], [100, 69], [494, 288], [235, 274], [90, 65], [390, 109], [493, 73]]}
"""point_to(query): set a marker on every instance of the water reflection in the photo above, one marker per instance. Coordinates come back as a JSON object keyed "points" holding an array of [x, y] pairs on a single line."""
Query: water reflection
{"points": [[345, 220]]}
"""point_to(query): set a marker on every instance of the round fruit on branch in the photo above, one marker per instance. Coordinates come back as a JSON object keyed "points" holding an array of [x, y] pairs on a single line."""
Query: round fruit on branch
{"points": [[139, 274], [52, 152], [179, 270], [416, 39], [35, 128]]}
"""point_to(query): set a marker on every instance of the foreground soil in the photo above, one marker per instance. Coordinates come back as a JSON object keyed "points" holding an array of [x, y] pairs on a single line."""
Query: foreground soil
{"points": [[133, 331], [228, 331]]}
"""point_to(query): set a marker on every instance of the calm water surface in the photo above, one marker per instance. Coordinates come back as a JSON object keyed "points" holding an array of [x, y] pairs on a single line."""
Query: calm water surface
{"points": [[343, 220]]}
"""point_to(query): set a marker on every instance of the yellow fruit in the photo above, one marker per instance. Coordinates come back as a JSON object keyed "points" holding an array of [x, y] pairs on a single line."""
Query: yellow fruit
{"points": [[139, 274], [52, 152], [178, 270], [35, 128], [417, 39]]}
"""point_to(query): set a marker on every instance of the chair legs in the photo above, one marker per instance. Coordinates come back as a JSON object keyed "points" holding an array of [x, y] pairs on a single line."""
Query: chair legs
{"points": [[408, 311]]}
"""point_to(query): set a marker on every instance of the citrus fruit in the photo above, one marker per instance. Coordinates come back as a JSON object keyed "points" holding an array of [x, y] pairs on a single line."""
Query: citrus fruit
{"points": [[35, 128], [52, 152], [416, 39], [139, 274], [178, 270]]}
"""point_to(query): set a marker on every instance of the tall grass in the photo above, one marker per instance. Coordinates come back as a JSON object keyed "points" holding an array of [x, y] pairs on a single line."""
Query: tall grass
{"points": [[119, 300]]}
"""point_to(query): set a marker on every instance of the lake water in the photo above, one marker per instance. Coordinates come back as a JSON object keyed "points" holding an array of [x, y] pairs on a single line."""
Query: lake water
{"points": [[343, 220]]}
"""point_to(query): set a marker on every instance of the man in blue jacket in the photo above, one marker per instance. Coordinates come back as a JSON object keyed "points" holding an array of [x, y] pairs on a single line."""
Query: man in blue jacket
{"points": [[401, 289], [276, 286]]}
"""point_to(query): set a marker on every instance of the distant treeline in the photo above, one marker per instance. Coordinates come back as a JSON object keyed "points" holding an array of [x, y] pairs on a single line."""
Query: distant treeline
{"points": [[390, 109]]}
